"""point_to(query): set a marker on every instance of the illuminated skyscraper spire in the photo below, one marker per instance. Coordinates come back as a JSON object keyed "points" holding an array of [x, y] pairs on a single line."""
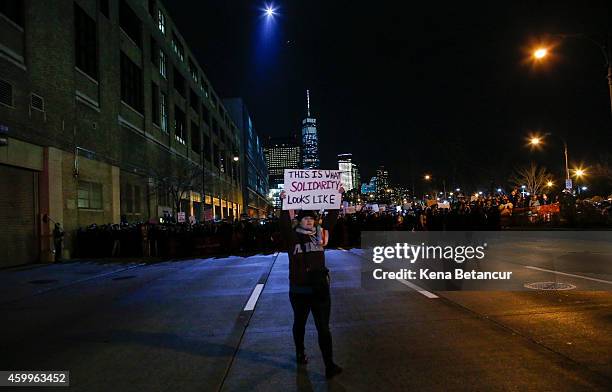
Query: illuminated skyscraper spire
{"points": [[310, 139]]}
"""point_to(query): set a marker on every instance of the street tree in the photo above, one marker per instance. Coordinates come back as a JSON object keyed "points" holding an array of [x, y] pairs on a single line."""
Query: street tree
{"points": [[177, 180], [534, 178]]}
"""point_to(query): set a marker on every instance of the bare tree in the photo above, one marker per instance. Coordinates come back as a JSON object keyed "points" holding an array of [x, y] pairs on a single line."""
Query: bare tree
{"points": [[534, 178], [603, 168], [179, 179]]}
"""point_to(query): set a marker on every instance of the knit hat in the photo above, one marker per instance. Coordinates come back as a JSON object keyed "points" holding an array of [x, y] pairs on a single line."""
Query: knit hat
{"points": [[307, 213]]}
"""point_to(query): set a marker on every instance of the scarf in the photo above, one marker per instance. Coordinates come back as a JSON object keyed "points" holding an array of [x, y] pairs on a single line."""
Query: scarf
{"points": [[317, 235]]}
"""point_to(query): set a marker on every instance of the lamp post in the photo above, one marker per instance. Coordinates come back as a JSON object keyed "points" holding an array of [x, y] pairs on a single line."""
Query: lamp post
{"points": [[536, 141], [605, 46]]}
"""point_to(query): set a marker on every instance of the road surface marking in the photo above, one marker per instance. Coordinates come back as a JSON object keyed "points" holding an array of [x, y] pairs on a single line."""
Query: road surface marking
{"points": [[417, 288], [254, 297], [566, 274]]}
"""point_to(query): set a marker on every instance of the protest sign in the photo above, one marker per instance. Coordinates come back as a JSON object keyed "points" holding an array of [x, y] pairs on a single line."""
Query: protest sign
{"points": [[207, 214], [180, 217], [312, 189]]}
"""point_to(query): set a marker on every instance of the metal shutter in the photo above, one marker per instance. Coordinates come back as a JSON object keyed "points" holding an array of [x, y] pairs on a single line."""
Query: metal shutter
{"points": [[18, 216]]}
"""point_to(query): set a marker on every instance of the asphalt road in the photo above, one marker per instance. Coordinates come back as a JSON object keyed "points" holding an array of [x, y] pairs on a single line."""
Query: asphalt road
{"points": [[183, 326]]}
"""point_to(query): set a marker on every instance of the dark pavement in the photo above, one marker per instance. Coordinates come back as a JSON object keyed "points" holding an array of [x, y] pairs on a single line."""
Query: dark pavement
{"points": [[182, 326]]}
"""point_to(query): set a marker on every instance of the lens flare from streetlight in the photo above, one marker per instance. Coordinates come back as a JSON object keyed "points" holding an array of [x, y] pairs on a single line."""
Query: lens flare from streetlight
{"points": [[579, 172], [427, 177], [549, 184], [540, 53]]}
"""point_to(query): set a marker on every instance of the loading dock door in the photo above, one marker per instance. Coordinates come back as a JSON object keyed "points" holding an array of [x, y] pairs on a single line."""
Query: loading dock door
{"points": [[19, 242]]}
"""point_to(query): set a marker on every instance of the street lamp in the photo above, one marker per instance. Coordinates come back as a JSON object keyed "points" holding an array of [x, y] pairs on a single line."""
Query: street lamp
{"points": [[540, 53], [605, 46], [427, 177], [579, 173]]}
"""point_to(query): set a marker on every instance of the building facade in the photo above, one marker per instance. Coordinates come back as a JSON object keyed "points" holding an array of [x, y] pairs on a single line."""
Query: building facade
{"points": [[281, 154], [310, 139], [255, 186], [108, 117], [382, 185], [350, 172]]}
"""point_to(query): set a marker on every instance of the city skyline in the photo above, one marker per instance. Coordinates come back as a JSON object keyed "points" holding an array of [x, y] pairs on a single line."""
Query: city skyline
{"points": [[501, 95]]}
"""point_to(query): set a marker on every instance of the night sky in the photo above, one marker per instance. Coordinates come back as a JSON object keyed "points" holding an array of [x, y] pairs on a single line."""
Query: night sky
{"points": [[445, 89]]}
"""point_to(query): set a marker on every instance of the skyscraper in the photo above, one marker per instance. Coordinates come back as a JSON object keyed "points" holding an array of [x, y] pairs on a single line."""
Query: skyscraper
{"points": [[350, 174], [310, 139], [280, 154], [382, 183]]}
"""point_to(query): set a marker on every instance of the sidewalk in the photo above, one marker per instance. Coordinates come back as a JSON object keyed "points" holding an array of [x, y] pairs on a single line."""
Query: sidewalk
{"points": [[24, 281]]}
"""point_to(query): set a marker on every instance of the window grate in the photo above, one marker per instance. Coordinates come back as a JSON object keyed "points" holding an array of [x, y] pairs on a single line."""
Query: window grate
{"points": [[6, 93], [37, 102]]}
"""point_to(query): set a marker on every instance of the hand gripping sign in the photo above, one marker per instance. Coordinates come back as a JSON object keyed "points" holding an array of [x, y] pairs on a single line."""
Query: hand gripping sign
{"points": [[312, 189]]}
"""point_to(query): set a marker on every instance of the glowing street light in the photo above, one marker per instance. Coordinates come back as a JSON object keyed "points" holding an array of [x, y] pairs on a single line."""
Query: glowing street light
{"points": [[579, 172], [427, 177], [549, 184], [535, 141], [540, 53]]}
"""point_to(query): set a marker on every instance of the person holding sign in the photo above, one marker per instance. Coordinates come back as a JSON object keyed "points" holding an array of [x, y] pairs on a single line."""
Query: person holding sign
{"points": [[309, 278]]}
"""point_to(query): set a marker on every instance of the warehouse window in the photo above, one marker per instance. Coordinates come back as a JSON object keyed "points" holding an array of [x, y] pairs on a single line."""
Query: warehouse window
{"points": [[162, 63], [131, 195], [194, 101], [163, 112], [195, 137], [131, 83], [179, 82], [130, 23], [205, 115], [155, 107], [161, 21], [179, 125], [154, 52], [178, 47], [90, 195], [193, 70], [85, 43]]}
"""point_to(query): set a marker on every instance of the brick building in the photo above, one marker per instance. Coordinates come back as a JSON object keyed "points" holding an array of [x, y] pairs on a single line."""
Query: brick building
{"points": [[105, 115]]}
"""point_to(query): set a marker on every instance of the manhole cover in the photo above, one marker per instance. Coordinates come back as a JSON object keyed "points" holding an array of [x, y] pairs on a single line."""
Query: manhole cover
{"points": [[124, 277], [43, 281], [549, 286]]}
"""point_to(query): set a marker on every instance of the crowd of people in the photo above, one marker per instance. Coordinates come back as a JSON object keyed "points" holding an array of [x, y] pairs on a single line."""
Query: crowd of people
{"points": [[248, 235], [172, 239]]}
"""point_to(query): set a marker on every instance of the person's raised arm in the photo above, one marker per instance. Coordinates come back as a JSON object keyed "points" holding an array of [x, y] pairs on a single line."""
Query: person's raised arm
{"points": [[285, 220]]}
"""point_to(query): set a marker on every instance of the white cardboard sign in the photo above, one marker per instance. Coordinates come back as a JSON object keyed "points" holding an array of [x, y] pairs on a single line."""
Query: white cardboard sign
{"points": [[312, 189]]}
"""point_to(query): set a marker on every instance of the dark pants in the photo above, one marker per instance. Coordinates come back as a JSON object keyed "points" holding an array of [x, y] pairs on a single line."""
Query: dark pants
{"points": [[320, 307], [58, 250]]}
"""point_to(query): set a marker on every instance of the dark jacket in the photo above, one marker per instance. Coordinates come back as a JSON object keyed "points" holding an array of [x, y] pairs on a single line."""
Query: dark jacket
{"points": [[304, 250]]}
